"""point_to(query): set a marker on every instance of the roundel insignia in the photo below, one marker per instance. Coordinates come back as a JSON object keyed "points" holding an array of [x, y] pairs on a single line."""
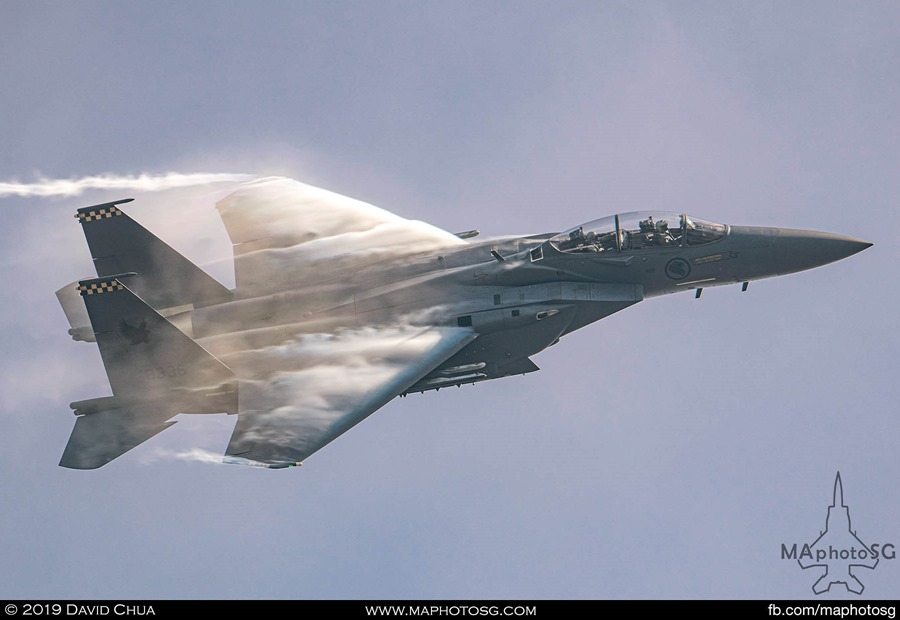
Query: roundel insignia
{"points": [[678, 269]]}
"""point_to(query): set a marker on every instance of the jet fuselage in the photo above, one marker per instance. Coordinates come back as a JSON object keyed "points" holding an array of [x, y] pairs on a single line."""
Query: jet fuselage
{"points": [[521, 294]]}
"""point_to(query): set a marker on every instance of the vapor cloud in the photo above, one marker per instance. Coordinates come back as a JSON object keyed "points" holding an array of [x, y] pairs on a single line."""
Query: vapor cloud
{"points": [[286, 232], [196, 455], [44, 187], [318, 336]]}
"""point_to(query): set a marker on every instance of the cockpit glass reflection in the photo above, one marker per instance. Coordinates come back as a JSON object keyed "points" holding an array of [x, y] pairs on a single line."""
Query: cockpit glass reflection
{"points": [[638, 231]]}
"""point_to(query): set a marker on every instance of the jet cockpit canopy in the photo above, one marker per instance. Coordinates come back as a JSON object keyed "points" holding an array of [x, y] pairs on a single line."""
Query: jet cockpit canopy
{"points": [[638, 231]]}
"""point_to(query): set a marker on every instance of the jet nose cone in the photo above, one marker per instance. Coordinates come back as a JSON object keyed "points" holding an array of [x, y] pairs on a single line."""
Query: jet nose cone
{"points": [[858, 245], [851, 245], [797, 250]]}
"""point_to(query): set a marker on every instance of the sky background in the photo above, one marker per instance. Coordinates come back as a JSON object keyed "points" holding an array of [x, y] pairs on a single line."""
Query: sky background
{"points": [[665, 452]]}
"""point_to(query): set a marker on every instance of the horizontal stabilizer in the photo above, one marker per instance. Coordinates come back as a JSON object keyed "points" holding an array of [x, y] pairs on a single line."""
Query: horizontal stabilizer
{"points": [[76, 313], [100, 437], [118, 244]]}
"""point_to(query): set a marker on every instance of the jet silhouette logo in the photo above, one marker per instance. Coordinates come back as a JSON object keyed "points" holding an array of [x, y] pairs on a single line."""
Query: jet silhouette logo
{"points": [[838, 551]]}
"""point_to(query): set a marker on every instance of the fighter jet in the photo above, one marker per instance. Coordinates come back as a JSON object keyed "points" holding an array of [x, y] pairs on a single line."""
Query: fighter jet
{"points": [[340, 306]]}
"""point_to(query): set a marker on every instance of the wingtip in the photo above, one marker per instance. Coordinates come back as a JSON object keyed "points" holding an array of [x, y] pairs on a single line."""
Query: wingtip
{"points": [[239, 460], [281, 465]]}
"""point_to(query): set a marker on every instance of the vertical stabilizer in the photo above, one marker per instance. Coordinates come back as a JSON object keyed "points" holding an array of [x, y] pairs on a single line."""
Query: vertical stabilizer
{"points": [[118, 245], [146, 357]]}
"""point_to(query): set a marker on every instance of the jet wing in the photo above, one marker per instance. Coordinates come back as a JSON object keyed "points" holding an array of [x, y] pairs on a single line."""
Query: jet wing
{"points": [[286, 231], [305, 393]]}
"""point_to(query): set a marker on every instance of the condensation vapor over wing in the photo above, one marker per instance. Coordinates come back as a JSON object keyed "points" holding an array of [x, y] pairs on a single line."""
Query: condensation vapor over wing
{"points": [[286, 232]]}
